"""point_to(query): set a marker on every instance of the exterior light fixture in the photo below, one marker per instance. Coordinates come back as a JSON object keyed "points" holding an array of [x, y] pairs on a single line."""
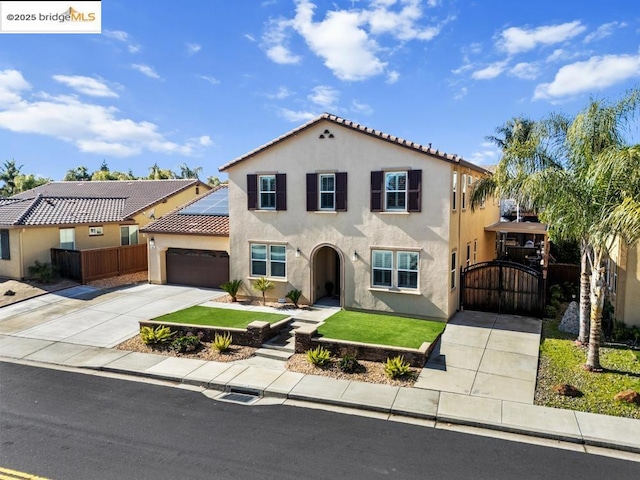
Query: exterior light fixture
{"points": [[298, 253], [354, 257], [152, 243]]}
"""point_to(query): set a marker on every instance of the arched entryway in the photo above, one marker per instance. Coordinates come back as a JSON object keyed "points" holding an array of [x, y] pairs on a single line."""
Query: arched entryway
{"points": [[327, 275]]}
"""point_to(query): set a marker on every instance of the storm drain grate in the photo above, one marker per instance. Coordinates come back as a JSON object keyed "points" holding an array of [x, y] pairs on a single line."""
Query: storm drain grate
{"points": [[240, 398]]}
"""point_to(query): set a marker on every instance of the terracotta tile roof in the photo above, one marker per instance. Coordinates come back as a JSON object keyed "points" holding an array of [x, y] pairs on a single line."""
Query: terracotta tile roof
{"points": [[176, 222], [360, 128], [138, 194]]}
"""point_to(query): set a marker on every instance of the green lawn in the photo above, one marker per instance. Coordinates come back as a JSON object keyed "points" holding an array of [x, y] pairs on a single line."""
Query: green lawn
{"points": [[381, 329], [561, 362], [219, 317]]}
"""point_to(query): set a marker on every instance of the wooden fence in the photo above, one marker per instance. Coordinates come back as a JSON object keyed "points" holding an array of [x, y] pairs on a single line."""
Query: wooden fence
{"points": [[559, 273], [95, 263]]}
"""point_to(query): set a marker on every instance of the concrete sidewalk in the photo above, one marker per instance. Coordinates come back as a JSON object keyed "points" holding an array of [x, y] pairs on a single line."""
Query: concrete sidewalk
{"points": [[482, 372]]}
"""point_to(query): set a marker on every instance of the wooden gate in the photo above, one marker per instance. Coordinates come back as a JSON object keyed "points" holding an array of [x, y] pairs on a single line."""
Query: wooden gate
{"points": [[502, 287]]}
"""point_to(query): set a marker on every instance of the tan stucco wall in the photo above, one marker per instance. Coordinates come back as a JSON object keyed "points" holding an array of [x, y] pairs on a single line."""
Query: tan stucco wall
{"points": [[357, 230], [33, 243], [157, 255], [629, 287]]}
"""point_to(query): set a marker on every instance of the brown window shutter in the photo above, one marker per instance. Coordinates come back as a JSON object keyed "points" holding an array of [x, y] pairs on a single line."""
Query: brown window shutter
{"points": [[312, 192], [377, 187], [415, 186], [341, 191], [4, 240], [281, 191], [252, 192]]}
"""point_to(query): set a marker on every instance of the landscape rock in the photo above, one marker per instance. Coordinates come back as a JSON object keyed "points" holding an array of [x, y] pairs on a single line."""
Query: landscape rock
{"points": [[571, 320], [567, 390], [629, 396], [9, 293]]}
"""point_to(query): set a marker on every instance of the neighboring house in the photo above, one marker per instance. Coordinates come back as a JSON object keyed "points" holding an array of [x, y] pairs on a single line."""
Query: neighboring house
{"points": [[334, 207], [190, 246], [82, 215], [623, 280]]}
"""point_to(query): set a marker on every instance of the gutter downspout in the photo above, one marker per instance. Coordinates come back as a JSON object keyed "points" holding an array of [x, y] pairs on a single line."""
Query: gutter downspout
{"points": [[22, 230]]}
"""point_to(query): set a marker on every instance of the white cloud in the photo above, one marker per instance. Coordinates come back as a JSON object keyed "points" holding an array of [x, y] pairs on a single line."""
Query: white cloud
{"points": [[210, 79], [603, 31], [146, 70], [281, 94], [91, 128], [251, 38], [205, 141], [324, 96], [460, 94], [489, 72], [275, 41], [124, 37], [296, 116], [516, 40], [193, 48], [486, 156], [525, 71], [346, 38], [12, 84], [361, 107], [87, 85], [392, 77], [596, 73]]}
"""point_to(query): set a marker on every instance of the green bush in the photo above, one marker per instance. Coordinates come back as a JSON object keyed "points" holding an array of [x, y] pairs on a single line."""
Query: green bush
{"points": [[294, 296], [349, 364], [397, 367], [42, 272], [222, 343], [318, 356], [158, 336], [232, 287], [186, 343]]}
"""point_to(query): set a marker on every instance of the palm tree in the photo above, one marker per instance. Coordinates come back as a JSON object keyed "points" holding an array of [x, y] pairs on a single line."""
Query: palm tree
{"points": [[157, 173], [8, 175], [262, 284], [77, 174], [584, 177], [186, 172]]}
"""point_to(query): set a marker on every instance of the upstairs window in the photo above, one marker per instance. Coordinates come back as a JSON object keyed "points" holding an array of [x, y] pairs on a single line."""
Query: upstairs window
{"points": [[396, 191], [267, 192], [327, 192], [464, 191], [454, 191]]}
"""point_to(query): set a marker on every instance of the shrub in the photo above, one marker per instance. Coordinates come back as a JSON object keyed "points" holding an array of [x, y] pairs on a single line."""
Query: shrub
{"points": [[396, 367], [222, 342], [294, 296], [186, 343], [349, 364], [158, 336], [318, 356], [262, 284], [42, 272], [232, 287]]}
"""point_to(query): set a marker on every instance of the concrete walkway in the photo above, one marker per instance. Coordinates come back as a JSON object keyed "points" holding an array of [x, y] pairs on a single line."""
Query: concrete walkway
{"points": [[72, 330]]}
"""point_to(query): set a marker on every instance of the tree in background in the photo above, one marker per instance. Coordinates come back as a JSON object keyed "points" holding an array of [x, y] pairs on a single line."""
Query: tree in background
{"points": [[215, 181], [186, 172], [77, 174], [15, 181], [156, 173]]}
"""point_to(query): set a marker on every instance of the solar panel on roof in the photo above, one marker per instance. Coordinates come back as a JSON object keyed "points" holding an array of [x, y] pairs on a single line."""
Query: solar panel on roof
{"points": [[216, 203]]}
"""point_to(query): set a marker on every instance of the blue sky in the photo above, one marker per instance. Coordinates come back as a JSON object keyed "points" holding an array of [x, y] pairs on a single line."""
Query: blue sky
{"points": [[203, 82]]}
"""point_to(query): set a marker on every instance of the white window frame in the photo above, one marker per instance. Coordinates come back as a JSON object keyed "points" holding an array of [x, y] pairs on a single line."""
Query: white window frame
{"points": [[454, 269], [322, 192], [397, 191], [463, 203], [64, 241], [454, 191], [96, 231], [391, 264], [475, 251], [269, 261], [261, 192], [468, 261], [130, 230]]}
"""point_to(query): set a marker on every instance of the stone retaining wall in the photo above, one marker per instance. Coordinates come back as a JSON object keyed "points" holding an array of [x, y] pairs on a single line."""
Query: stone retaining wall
{"points": [[256, 333], [306, 339]]}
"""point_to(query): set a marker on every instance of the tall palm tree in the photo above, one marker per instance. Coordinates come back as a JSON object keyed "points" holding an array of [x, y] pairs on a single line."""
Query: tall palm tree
{"points": [[587, 185], [8, 175], [187, 172]]}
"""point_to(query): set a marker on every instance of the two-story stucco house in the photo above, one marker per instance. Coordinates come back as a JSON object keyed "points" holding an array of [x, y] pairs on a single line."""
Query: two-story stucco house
{"points": [[336, 208]]}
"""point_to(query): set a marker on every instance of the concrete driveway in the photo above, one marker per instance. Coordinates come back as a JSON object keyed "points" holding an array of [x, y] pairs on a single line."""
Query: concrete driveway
{"points": [[84, 315], [486, 355]]}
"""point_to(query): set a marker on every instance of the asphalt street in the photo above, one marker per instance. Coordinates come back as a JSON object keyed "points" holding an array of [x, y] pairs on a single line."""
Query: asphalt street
{"points": [[64, 425]]}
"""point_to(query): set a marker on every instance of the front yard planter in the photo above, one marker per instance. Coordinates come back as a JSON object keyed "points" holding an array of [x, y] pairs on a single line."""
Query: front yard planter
{"points": [[256, 333], [306, 338]]}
